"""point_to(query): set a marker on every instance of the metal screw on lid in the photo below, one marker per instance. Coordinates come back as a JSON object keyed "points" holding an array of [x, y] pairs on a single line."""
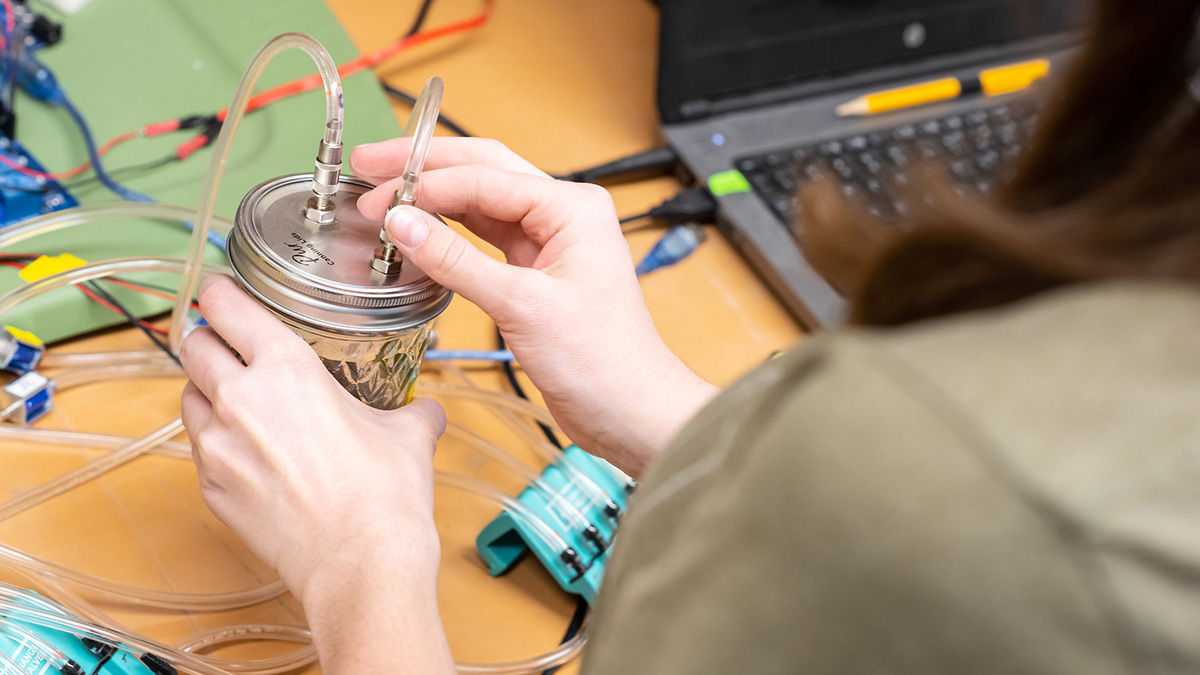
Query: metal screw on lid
{"points": [[320, 274]]}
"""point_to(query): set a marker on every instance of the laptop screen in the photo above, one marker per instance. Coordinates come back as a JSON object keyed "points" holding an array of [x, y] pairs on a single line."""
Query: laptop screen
{"points": [[714, 50]]}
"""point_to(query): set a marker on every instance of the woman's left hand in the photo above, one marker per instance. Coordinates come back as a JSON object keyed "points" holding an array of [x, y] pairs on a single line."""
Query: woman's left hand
{"points": [[335, 495], [316, 482]]}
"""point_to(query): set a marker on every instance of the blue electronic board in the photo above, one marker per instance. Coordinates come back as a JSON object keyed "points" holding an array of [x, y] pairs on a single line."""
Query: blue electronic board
{"points": [[23, 196]]}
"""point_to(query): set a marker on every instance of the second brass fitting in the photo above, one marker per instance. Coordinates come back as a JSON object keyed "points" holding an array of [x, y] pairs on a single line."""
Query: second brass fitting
{"points": [[326, 176]]}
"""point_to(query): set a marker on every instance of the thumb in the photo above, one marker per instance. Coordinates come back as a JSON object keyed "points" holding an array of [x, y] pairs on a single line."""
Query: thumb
{"points": [[449, 259]]}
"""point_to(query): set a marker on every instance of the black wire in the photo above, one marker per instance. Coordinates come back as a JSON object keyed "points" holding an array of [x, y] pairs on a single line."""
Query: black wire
{"points": [[104, 659], [581, 611], [658, 161], [142, 284], [630, 219], [107, 297], [511, 373], [419, 22], [408, 98], [126, 170]]}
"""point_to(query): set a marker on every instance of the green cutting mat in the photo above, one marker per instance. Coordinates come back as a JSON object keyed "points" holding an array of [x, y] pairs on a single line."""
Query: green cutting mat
{"points": [[126, 63]]}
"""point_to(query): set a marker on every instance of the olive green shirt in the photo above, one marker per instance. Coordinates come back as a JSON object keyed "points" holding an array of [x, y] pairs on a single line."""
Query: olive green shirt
{"points": [[1015, 491]]}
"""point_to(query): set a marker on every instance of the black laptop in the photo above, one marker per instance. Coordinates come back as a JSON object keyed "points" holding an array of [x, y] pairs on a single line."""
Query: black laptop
{"points": [[747, 91]]}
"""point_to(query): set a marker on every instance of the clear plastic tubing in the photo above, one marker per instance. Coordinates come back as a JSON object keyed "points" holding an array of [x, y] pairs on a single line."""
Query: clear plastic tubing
{"points": [[484, 396], [124, 357], [506, 459], [13, 608], [96, 270], [477, 487], [84, 215], [216, 167], [497, 497], [172, 600], [84, 611], [79, 377], [89, 471], [226, 635], [83, 439], [44, 649], [551, 454], [420, 127], [16, 607], [217, 637]]}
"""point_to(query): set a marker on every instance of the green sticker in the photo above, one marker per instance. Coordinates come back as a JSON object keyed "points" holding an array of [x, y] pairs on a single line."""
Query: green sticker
{"points": [[727, 182]]}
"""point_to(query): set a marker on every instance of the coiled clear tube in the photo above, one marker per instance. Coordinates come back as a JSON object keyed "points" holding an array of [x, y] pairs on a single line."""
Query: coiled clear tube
{"points": [[593, 492], [510, 462], [83, 215], [216, 167], [212, 639], [184, 602], [83, 376], [89, 471], [298, 658], [125, 357], [83, 439], [96, 270]]}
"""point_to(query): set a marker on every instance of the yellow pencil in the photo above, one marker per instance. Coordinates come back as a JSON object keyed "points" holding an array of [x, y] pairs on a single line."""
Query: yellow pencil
{"points": [[990, 82]]}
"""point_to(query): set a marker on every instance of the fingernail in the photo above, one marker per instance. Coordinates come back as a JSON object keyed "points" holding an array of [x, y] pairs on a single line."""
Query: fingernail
{"points": [[407, 228]]}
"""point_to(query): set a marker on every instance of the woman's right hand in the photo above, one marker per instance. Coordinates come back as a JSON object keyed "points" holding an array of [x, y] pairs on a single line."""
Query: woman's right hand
{"points": [[567, 300]]}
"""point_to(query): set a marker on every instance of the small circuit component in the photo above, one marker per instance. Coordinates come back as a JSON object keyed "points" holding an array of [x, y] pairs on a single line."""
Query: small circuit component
{"points": [[20, 351], [23, 196], [27, 399]]}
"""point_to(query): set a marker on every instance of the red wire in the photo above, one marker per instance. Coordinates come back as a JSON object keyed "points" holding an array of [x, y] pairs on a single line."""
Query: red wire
{"points": [[271, 95], [103, 150], [145, 291], [97, 299], [367, 60], [24, 169], [10, 22]]}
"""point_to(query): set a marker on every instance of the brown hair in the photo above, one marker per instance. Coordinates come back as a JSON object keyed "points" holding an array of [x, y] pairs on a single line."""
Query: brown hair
{"points": [[1109, 188]]}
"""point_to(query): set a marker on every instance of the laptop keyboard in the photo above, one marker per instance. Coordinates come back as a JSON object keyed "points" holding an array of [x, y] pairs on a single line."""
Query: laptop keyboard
{"points": [[975, 147]]}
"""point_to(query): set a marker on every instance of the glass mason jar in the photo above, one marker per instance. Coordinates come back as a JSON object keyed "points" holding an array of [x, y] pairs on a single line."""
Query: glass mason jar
{"points": [[370, 329]]}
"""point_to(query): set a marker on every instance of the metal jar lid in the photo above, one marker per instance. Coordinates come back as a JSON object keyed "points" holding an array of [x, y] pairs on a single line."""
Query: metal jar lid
{"points": [[321, 275]]}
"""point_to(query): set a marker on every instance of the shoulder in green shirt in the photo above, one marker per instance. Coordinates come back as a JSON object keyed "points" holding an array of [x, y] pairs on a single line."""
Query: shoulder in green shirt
{"points": [[1016, 491]]}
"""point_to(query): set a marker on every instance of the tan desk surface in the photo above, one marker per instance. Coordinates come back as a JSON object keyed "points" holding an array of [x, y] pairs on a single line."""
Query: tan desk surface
{"points": [[565, 84]]}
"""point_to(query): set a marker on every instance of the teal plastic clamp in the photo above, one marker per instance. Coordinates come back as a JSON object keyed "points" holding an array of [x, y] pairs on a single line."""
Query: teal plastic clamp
{"points": [[26, 644], [587, 525]]}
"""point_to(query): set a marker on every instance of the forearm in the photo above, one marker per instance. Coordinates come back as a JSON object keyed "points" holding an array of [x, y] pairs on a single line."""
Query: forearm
{"points": [[378, 614]]}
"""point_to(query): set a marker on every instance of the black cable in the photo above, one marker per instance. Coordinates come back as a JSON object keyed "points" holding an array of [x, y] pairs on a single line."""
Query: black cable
{"points": [[104, 658], [107, 297], [451, 125], [143, 284], [126, 170], [419, 22], [511, 373], [581, 611], [659, 161], [692, 205]]}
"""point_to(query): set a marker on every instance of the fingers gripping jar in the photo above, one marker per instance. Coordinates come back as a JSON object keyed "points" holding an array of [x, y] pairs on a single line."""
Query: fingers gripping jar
{"points": [[370, 329]]}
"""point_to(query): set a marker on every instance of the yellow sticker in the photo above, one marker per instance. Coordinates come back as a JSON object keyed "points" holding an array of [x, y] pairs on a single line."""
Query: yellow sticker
{"points": [[25, 336], [47, 265]]}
